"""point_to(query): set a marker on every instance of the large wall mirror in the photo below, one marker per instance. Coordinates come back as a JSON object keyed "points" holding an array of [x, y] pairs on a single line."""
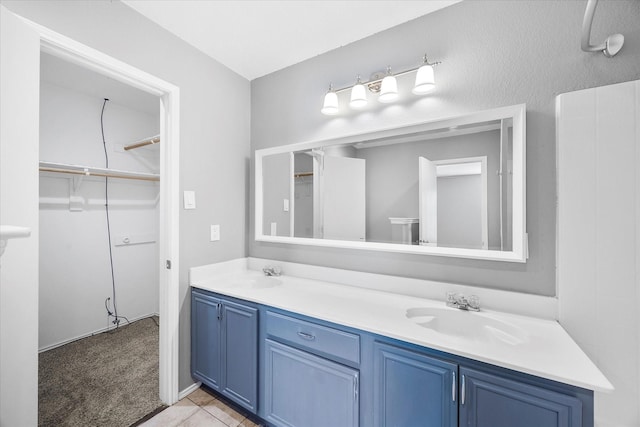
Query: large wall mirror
{"points": [[448, 187]]}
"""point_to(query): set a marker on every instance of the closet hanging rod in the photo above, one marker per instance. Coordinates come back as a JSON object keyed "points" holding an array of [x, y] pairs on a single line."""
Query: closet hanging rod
{"points": [[142, 143], [101, 172], [302, 174], [110, 175]]}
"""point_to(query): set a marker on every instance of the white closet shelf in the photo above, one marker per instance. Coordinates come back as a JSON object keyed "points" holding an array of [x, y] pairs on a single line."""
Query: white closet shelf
{"points": [[93, 171]]}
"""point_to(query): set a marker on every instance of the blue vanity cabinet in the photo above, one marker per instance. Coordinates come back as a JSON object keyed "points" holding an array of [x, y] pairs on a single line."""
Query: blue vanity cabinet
{"points": [[304, 390], [307, 372], [224, 347], [413, 389], [205, 339], [240, 353], [488, 400], [311, 376]]}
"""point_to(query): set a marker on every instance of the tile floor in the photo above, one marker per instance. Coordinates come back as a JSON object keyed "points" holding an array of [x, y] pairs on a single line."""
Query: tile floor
{"points": [[200, 409]]}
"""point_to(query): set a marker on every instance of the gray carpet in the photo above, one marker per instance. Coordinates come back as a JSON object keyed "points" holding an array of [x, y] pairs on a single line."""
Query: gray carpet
{"points": [[109, 379]]}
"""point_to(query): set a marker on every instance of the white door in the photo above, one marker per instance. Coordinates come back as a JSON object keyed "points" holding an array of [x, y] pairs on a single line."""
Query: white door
{"points": [[343, 186], [428, 201], [19, 109]]}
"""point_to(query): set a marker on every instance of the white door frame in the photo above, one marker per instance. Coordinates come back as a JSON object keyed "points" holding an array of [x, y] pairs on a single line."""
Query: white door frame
{"points": [[89, 58]]}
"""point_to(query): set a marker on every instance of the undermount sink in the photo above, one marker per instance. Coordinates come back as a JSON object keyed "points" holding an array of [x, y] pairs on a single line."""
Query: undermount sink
{"points": [[466, 324]]}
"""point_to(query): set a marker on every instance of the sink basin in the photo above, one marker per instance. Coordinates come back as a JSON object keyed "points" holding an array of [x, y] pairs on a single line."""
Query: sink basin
{"points": [[254, 282], [466, 324]]}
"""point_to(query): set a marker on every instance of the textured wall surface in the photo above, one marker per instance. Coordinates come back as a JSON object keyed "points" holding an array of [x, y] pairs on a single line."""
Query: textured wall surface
{"points": [[493, 53]]}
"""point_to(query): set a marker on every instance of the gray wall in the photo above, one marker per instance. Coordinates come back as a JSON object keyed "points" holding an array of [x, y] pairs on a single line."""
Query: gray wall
{"points": [[214, 126], [493, 53]]}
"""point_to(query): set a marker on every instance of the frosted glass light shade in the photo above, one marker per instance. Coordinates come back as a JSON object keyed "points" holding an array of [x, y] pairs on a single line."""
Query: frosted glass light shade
{"points": [[358, 96], [330, 107], [425, 80], [388, 90]]}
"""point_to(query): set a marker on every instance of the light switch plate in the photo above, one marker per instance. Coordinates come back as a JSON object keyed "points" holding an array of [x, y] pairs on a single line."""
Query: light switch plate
{"points": [[285, 205], [189, 199], [215, 233]]}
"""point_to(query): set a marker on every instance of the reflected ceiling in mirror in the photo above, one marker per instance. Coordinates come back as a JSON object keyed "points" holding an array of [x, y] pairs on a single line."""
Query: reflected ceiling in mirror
{"points": [[449, 187]]}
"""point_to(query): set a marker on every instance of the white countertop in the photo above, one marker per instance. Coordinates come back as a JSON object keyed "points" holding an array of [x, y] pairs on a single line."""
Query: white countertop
{"points": [[546, 351]]}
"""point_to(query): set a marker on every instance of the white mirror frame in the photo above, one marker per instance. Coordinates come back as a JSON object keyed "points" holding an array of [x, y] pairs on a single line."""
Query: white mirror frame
{"points": [[519, 252]]}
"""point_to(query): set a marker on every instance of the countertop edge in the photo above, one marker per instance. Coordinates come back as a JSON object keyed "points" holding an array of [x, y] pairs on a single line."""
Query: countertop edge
{"points": [[209, 284]]}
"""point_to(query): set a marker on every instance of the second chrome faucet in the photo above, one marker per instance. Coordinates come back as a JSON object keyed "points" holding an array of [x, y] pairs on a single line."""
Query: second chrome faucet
{"points": [[459, 301], [272, 270]]}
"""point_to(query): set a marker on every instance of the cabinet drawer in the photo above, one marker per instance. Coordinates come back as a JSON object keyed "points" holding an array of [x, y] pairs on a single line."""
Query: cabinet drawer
{"points": [[314, 337]]}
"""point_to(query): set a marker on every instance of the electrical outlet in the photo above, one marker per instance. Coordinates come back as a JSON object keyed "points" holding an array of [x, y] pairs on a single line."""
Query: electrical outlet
{"points": [[215, 233]]}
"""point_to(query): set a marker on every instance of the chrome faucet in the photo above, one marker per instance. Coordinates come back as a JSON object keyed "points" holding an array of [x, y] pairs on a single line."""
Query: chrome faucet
{"points": [[461, 302], [272, 270]]}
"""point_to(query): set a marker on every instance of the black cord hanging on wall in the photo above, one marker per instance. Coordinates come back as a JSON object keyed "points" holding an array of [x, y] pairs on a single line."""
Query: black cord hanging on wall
{"points": [[114, 314]]}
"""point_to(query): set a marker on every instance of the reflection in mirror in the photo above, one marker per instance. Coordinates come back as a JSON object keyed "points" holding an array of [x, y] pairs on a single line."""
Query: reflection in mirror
{"points": [[276, 195], [303, 195], [442, 189]]}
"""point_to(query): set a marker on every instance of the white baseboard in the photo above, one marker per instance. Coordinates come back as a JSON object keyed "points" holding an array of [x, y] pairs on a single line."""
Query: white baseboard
{"points": [[187, 391], [89, 334]]}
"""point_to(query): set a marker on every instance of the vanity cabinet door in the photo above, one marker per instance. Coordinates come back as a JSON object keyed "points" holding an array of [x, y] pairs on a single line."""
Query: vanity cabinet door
{"points": [[205, 339], [303, 390], [488, 400], [412, 389], [224, 347], [240, 356]]}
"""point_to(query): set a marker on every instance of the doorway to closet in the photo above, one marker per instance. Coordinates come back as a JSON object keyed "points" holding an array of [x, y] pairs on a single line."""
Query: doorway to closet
{"points": [[99, 248], [22, 43]]}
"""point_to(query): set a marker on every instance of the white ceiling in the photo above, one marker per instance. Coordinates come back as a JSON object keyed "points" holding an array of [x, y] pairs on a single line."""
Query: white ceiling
{"points": [[255, 38], [71, 76]]}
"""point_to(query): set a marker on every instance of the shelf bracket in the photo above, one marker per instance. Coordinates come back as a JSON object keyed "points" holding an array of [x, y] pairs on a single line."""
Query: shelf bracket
{"points": [[76, 202]]}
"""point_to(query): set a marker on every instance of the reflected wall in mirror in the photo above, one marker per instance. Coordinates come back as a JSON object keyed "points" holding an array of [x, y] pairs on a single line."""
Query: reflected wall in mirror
{"points": [[451, 187]]}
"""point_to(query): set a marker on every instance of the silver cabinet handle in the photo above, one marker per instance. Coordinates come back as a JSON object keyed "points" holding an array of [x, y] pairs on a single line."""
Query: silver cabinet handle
{"points": [[463, 389], [453, 387], [306, 336], [355, 386], [219, 306]]}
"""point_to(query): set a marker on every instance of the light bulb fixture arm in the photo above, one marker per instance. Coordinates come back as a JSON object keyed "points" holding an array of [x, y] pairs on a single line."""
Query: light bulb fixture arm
{"points": [[376, 79]]}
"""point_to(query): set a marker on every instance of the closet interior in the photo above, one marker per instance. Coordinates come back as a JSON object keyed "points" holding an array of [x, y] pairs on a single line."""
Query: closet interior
{"points": [[99, 208]]}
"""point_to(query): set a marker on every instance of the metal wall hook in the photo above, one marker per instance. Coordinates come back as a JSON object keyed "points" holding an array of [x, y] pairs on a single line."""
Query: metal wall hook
{"points": [[611, 45]]}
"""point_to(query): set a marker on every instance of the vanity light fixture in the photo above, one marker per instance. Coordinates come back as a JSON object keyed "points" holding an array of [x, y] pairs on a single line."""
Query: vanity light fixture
{"points": [[384, 84], [330, 107], [425, 78], [388, 88], [358, 95]]}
